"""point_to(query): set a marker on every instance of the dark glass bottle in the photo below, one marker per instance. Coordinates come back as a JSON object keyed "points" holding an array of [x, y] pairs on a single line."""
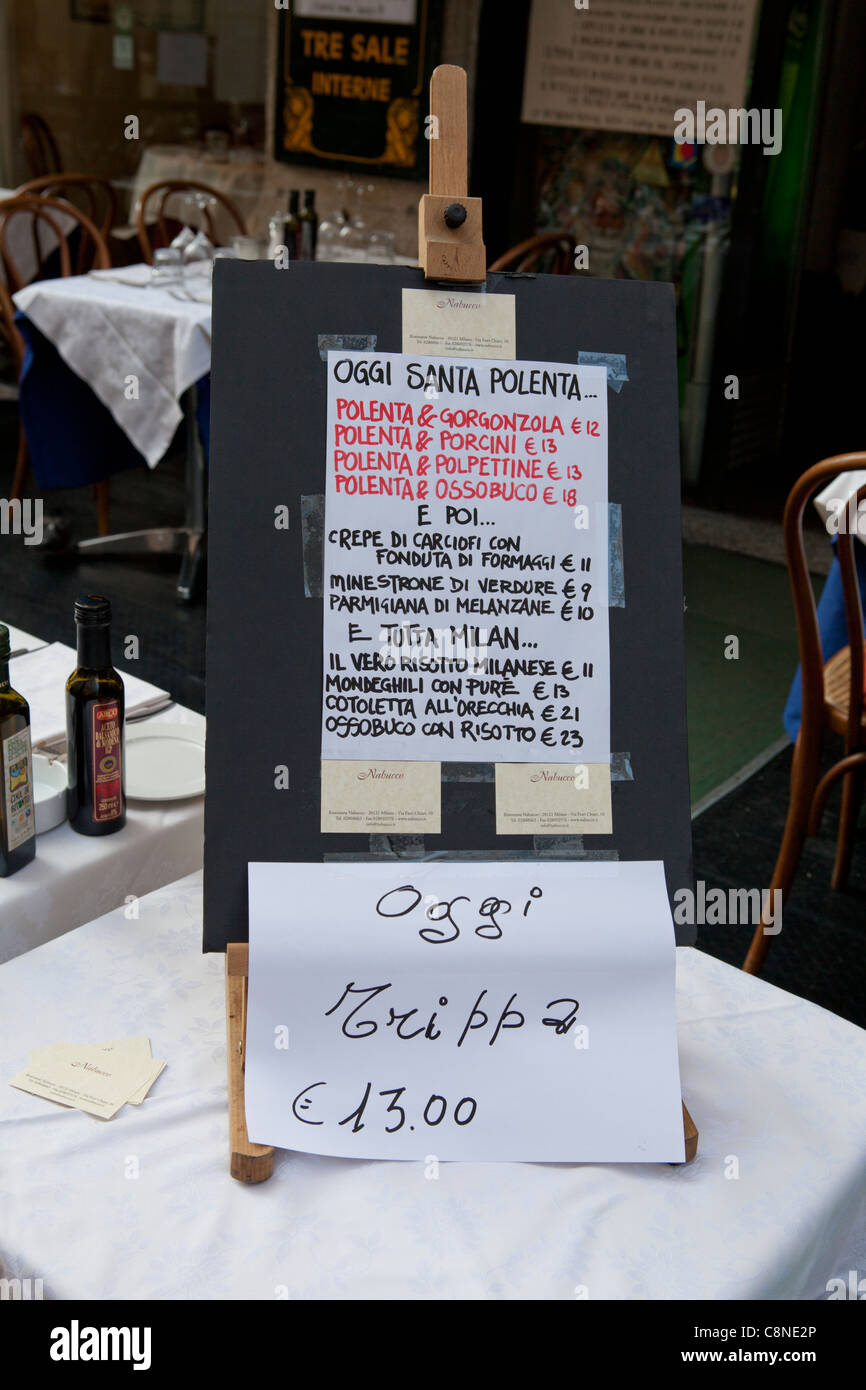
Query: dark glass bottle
{"points": [[293, 226], [309, 220], [17, 813], [96, 793]]}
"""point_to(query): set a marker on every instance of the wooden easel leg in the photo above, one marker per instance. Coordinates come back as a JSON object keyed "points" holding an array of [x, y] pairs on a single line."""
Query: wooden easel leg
{"points": [[249, 1162], [691, 1135]]}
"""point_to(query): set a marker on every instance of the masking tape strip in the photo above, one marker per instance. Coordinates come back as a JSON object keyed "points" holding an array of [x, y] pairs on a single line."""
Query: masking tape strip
{"points": [[569, 847], [616, 573], [313, 543], [617, 366], [472, 856], [620, 770], [468, 772], [620, 767], [345, 342]]}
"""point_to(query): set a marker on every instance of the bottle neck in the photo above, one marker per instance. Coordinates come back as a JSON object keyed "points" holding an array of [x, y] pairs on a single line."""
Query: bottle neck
{"points": [[4, 673], [94, 646]]}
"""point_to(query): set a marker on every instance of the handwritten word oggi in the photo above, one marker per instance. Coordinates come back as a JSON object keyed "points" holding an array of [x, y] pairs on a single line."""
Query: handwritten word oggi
{"points": [[400, 902]]}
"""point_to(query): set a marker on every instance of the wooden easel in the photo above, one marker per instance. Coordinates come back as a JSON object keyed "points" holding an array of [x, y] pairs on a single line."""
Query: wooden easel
{"points": [[450, 248]]}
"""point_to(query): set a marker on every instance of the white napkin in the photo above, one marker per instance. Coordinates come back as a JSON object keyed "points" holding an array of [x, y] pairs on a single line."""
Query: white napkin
{"points": [[127, 275], [41, 678]]}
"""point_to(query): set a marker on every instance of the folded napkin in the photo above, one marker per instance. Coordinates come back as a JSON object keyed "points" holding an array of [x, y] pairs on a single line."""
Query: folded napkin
{"points": [[41, 678], [127, 275]]}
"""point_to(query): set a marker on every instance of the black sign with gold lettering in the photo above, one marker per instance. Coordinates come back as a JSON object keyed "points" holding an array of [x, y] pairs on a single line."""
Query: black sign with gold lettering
{"points": [[352, 81]]}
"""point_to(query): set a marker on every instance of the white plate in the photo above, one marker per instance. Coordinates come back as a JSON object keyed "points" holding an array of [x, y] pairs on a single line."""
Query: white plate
{"points": [[164, 762], [49, 792]]}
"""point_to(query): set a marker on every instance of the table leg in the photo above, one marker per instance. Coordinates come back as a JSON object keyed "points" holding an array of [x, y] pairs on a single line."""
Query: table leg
{"points": [[186, 540]]}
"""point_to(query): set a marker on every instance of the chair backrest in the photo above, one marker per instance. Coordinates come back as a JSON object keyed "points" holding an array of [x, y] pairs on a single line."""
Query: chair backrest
{"points": [[40, 147], [95, 195], [527, 254], [808, 636], [9, 329], [49, 218], [152, 203]]}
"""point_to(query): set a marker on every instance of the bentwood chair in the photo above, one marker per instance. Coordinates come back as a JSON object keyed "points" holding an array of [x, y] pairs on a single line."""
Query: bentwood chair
{"points": [[527, 255], [15, 343], [152, 204], [52, 215], [833, 699], [95, 195], [40, 147], [56, 219]]}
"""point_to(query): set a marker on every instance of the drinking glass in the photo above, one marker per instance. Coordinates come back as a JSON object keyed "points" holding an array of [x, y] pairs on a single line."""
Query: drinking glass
{"points": [[381, 247], [167, 268]]}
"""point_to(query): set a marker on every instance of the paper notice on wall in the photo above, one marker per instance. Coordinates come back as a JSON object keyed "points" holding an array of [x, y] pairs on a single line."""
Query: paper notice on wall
{"points": [[466, 565], [631, 64], [181, 59], [380, 11], [489, 1012]]}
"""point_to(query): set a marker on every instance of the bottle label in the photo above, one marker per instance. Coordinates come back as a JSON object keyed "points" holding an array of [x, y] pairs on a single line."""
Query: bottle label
{"points": [[105, 728], [18, 788]]}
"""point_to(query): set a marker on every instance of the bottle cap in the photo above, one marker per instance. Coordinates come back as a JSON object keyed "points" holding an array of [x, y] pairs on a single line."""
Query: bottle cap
{"points": [[5, 642], [293, 199], [309, 197], [92, 610]]}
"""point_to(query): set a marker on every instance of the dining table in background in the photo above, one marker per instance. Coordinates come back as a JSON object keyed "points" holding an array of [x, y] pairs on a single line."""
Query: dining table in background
{"points": [[259, 187], [113, 365], [772, 1207]]}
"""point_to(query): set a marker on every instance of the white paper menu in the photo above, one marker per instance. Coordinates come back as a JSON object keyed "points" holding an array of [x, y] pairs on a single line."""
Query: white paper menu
{"points": [[466, 561], [467, 1010]]}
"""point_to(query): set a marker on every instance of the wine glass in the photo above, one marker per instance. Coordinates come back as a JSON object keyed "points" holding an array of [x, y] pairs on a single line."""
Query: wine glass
{"points": [[199, 252], [355, 235], [329, 247], [186, 233]]}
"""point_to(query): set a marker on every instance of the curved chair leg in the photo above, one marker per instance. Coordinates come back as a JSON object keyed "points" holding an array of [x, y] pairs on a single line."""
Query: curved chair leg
{"points": [[804, 777], [852, 794], [101, 494], [22, 464]]}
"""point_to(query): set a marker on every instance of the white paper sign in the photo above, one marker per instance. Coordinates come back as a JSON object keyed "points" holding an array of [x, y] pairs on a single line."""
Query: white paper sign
{"points": [[466, 566], [630, 64], [481, 1011]]}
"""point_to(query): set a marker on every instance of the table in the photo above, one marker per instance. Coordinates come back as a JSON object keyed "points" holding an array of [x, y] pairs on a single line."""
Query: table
{"points": [[88, 337], [77, 877], [772, 1081], [259, 187]]}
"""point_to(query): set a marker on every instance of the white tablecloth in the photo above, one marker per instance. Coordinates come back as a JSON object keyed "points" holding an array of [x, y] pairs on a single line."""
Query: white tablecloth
{"points": [[75, 878], [107, 332], [771, 1081]]}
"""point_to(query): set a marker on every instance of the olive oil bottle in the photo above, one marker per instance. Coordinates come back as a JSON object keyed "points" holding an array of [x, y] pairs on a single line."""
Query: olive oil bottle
{"points": [[308, 220], [17, 812], [96, 792]]}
